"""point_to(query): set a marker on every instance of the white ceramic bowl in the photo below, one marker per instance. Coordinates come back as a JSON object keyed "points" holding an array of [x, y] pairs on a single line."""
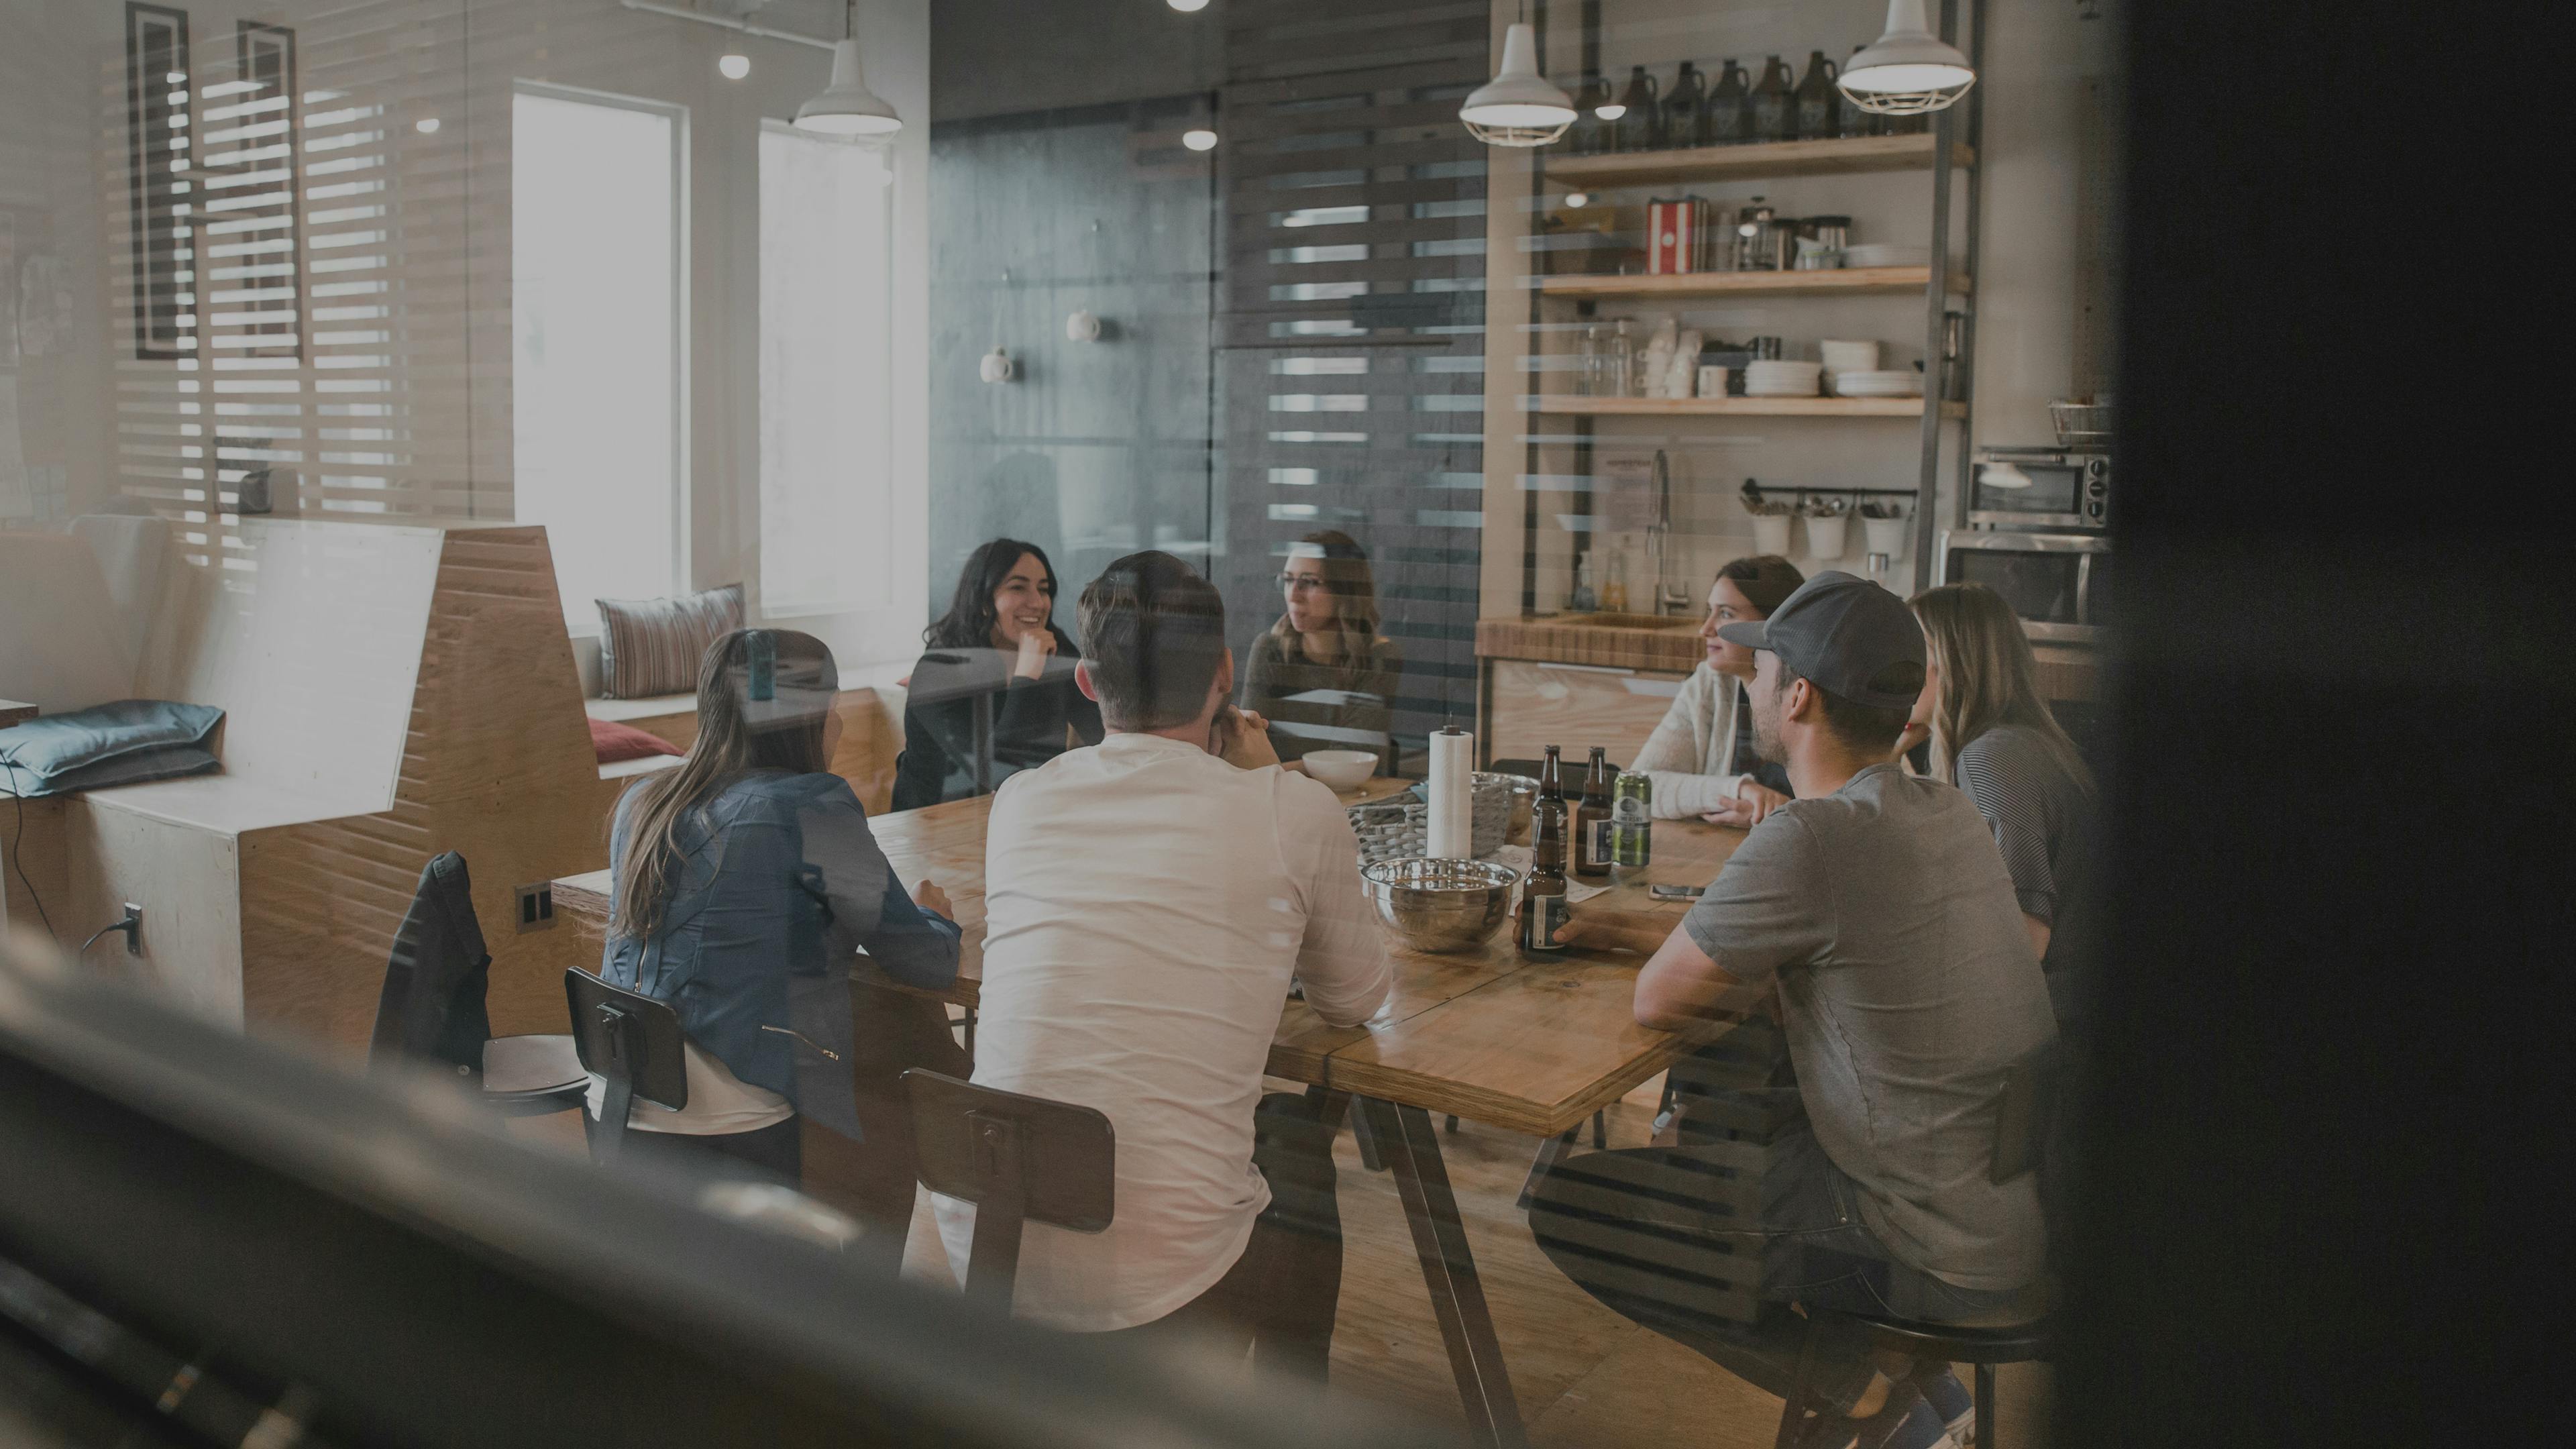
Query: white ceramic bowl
{"points": [[1341, 769]]}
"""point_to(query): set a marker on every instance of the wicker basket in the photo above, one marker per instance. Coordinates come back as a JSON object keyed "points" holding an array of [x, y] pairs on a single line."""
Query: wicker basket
{"points": [[1394, 828]]}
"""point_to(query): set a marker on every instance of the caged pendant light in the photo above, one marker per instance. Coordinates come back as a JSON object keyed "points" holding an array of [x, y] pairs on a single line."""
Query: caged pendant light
{"points": [[1518, 107], [847, 107], [1908, 70]]}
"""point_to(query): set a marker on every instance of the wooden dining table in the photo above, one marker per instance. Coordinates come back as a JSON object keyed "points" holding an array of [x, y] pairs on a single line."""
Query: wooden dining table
{"points": [[1527, 1043]]}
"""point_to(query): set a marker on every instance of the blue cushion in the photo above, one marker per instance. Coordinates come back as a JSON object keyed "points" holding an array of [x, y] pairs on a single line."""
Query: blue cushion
{"points": [[109, 744]]}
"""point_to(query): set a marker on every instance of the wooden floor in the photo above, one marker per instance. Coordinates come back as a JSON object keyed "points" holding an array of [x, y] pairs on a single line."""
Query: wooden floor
{"points": [[1584, 1375]]}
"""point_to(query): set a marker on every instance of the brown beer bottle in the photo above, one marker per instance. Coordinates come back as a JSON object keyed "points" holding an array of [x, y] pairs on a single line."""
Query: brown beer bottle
{"points": [[1543, 908], [1591, 841]]}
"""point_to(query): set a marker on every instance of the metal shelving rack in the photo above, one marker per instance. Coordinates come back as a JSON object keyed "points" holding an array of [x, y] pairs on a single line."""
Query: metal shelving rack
{"points": [[1946, 283]]}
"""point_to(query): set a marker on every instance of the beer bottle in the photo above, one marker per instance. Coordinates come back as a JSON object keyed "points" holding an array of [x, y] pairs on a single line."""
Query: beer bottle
{"points": [[1551, 784], [1543, 908], [1591, 841]]}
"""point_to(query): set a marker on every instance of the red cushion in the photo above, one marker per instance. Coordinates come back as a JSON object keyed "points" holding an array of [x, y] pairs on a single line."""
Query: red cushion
{"points": [[613, 742]]}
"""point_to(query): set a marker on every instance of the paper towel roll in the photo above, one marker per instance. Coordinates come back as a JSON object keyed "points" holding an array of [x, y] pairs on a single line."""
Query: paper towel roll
{"points": [[1452, 788]]}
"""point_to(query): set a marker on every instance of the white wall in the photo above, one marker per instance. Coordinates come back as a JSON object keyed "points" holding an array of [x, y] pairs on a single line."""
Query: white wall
{"points": [[106, 431]]}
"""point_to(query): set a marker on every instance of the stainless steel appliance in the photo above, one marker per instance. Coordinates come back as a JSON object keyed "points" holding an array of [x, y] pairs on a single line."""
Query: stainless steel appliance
{"points": [[2050, 488], [2061, 584]]}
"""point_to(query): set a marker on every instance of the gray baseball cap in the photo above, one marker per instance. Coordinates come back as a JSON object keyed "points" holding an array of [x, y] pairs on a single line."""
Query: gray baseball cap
{"points": [[1839, 632]]}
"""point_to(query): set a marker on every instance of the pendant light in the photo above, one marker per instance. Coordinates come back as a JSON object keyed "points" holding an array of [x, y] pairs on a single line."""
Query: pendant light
{"points": [[1518, 107], [1908, 70], [847, 107]]}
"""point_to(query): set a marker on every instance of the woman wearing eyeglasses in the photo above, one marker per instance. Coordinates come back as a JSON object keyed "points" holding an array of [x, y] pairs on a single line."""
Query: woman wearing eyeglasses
{"points": [[1323, 676]]}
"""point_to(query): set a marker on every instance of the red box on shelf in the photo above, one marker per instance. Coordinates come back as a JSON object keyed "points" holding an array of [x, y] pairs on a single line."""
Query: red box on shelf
{"points": [[1677, 232]]}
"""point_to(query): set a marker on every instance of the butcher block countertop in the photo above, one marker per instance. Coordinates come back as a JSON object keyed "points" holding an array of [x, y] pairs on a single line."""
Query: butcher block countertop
{"points": [[1618, 641]]}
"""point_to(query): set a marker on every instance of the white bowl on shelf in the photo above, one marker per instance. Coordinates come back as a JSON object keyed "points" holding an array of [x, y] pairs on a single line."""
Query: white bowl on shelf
{"points": [[1342, 769], [1887, 254]]}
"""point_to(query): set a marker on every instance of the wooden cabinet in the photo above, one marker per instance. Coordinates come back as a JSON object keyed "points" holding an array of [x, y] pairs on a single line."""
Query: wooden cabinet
{"points": [[1528, 705]]}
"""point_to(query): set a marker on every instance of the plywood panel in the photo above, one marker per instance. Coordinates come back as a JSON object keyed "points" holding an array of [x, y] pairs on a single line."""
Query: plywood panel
{"points": [[1625, 641], [189, 885], [1531, 706]]}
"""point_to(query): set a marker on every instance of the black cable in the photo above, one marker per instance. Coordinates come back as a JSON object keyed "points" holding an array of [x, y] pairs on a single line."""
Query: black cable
{"points": [[101, 931], [17, 851]]}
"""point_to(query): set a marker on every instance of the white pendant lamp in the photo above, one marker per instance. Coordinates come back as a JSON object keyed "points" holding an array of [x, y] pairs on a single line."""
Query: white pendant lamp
{"points": [[847, 107], [1518, 107], [1908, 70]]}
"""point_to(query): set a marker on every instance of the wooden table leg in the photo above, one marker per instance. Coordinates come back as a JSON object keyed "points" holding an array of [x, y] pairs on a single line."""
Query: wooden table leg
{"points": [[1411, 1146]]}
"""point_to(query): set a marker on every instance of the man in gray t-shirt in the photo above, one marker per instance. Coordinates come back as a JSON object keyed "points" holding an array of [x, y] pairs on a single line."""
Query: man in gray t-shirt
{"points": [[1878, 909]]}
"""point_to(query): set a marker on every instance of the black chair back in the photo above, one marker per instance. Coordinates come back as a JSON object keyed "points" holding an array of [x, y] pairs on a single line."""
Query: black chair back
{"points": [[432, 1005], [1018, 1159], [633, 1043]]}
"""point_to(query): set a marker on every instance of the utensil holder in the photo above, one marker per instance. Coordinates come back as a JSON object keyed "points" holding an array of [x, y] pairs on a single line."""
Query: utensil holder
{"points": [[1771, 534], [1825, 537], [1884, 535]]}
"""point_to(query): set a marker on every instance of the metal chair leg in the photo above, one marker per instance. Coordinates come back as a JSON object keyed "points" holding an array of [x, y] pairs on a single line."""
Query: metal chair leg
{"points": [[1600, 1129], [1550, 1153], [1985, 1406], [1451, 1126], [1793, 1408]]}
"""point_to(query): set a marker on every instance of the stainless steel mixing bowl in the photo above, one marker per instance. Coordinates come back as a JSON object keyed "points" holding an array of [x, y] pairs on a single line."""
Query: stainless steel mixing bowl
{"points": [[1440, 905]]}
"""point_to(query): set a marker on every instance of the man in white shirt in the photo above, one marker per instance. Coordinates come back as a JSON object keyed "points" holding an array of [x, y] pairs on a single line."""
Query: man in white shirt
{"points": [[1147, 901]]}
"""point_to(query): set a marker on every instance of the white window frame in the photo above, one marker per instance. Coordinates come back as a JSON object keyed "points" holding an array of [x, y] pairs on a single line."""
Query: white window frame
{"points": [[681, 580]]}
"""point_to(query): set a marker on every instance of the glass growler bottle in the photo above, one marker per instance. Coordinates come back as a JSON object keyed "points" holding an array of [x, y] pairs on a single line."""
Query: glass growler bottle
{"points": [[1818, 101], [1849, 118], [1683, 109], [1591, 819], [1775, 103], [1543, 907], [1590, 134], [1728, 115], [1641, 126]]}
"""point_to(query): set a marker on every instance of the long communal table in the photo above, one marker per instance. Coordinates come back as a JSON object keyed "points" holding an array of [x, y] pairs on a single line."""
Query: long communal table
{"points": [[1491, 1036]]}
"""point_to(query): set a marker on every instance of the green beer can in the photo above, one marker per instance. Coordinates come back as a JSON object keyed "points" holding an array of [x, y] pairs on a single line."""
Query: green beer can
{"points": [[1632, 823]]}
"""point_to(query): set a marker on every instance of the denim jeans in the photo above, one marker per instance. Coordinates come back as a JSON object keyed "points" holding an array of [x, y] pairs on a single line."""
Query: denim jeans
{"points": [[1652, 1233]]}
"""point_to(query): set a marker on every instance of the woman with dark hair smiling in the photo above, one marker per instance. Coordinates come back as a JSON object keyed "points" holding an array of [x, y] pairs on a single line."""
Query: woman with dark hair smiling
{"points": [[997, 638], [1701, 757], [1323, 675]]}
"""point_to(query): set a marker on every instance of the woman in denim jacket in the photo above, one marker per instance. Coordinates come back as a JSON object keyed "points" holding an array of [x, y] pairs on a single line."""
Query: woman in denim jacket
{"points": [[741, 883]]}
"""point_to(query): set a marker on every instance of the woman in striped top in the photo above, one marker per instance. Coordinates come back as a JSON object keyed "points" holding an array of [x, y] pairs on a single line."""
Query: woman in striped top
{"points": [[1992, 735]]}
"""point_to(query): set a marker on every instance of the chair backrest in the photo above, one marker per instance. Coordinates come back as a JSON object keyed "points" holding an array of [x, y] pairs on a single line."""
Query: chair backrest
{"points": [[627, 1038], [2024, 1112], [1018, 1159], [436, 976]]}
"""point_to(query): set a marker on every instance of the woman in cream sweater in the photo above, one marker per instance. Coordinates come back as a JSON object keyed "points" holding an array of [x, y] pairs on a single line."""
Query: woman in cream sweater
{"points": [[1701, 756]]}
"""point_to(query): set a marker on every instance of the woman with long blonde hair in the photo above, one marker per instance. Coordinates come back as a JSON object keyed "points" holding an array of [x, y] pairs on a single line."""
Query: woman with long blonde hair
{"points": [[740, 884], [1323, 676], [1993, 736]]}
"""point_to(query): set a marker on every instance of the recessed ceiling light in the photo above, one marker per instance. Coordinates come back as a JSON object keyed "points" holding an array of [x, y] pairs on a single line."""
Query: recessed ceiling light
{"points": [[733, 65], [1187, 7], [1199, 139]]}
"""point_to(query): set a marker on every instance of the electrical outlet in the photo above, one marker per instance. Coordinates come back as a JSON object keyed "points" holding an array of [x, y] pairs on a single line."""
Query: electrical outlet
{"points": [[536, 907], [134, 931]]}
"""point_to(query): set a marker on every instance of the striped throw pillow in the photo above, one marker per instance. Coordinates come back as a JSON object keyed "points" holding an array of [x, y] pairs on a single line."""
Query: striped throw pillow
{"points": [[649, 647]]}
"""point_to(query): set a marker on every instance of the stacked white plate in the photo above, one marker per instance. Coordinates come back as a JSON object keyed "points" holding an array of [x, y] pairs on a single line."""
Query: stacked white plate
{"points": [[1887, 254], [1904, 382], [1782, 379]]}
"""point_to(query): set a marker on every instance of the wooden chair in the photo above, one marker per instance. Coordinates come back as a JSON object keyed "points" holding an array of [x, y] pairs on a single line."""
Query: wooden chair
{"points": [[2024, 1120], [432, 1005], [1018, 1159], [633, 1042]]}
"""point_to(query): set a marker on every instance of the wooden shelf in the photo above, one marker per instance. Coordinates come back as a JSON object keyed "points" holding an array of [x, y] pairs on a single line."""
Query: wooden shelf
{"points": [[1847, 280], [1762, 158], [1738, 407]]}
